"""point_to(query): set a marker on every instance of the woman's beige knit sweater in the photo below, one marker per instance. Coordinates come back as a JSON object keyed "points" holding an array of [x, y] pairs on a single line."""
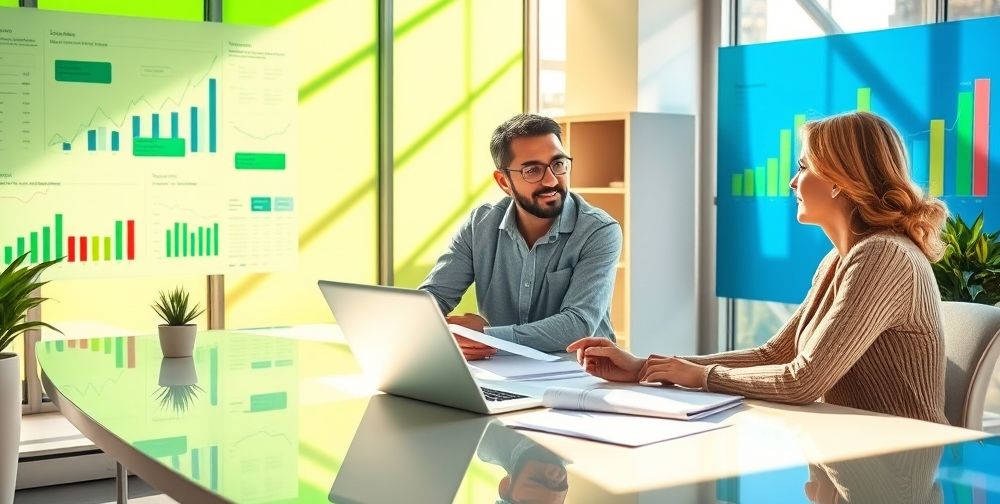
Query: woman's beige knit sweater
{"points": [[868, 336]]}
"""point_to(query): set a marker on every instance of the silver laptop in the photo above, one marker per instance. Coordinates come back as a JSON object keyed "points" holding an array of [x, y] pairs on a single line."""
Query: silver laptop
{"points": [[402, 341]]}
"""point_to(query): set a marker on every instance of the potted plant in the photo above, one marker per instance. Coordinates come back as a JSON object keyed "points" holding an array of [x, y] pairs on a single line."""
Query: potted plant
{"points": [[177, 333], [16, 287], [969, 271]]}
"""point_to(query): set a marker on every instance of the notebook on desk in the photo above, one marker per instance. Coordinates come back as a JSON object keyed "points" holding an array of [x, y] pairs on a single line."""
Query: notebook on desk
{"points": [[630, 399]]}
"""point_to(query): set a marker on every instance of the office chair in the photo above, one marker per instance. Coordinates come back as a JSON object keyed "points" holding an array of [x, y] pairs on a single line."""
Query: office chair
{"points": [[972, 348]]}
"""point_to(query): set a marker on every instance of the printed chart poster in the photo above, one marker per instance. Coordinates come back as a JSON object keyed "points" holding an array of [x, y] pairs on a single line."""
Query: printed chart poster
{"points": [[935, 83], [137, 147]]}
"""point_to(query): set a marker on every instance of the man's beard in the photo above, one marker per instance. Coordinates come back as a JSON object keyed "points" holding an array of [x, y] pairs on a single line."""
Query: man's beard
{"points": [[540, 210]]}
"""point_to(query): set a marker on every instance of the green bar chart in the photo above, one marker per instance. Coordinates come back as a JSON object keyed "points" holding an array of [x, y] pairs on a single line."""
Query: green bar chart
{"points": [[186, 240]]}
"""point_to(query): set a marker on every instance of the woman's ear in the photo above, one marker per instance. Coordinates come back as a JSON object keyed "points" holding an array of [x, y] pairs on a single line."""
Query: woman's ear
{"points": [[835, 191]]}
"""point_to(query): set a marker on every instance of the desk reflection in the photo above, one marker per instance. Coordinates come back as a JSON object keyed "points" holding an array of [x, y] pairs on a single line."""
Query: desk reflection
{"points": [[410, 451], [906, 477], [534, 474]]}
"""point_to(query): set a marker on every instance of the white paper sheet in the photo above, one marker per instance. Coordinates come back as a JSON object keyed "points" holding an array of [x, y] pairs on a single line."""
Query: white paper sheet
{"points": [[611, 428], [516, 367], [500, 344]]}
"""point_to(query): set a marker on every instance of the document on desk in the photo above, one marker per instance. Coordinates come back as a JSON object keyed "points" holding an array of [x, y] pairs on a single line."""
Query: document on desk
{"points": [[651, 401], [624, 430], [519, 368], [499, 344]]}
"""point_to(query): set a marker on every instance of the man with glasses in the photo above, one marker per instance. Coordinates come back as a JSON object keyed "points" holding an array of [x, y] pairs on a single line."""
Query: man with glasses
{"points": [[543, 259]]}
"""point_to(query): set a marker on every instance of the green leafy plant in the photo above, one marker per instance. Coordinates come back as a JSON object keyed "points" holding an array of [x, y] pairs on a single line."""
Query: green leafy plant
{"points": [[178, 397], [172, 307], [970, 268], [16, 286]]}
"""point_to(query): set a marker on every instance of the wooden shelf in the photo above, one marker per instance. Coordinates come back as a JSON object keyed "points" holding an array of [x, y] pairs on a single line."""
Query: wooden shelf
{"points": [[621, 162]]}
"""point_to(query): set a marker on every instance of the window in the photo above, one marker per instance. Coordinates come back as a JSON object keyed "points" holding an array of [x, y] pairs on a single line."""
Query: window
{"points": [[551, 57], [964, 9]]}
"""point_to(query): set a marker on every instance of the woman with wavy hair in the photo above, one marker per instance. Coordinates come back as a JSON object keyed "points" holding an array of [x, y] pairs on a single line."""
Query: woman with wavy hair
{"points": [[868, 335]]}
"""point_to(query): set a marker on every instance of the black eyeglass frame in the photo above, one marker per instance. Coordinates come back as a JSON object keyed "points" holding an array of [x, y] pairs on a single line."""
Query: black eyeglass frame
{"points": [[568, 166]]}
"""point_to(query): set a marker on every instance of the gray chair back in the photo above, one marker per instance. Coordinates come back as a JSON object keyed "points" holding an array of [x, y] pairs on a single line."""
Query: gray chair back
{"points": [[972, 347]]}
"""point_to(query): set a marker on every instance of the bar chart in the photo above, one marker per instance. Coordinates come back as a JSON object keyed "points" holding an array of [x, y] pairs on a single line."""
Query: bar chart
{"points": [[969, 134], [53, 242], [189, 240], [939, 98], [121, 350], [175, 133]]}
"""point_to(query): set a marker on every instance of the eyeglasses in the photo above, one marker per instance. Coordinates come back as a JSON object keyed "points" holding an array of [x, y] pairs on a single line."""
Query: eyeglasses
{"points": [[534, 173]]}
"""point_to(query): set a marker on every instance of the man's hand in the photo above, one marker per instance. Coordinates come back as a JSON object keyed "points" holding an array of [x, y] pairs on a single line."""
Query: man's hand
{"points": [[472, 350]]}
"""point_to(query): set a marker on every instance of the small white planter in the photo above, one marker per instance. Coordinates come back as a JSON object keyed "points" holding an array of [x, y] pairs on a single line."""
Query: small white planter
{"points": [[178, 341], [10, 424]]}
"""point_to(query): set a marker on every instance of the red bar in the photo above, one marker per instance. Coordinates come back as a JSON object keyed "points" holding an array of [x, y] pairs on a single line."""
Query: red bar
{"points": [[131, 352], [131, 240], [83, 344], [83, 249], [981, 138], [72, 248]]}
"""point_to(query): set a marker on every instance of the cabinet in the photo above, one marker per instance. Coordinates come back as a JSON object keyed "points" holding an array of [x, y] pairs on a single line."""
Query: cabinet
{"points": [[639, 167]]}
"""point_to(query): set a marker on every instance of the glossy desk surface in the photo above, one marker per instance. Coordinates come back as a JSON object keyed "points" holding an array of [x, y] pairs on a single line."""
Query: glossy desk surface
{"points": [[253, 418]]}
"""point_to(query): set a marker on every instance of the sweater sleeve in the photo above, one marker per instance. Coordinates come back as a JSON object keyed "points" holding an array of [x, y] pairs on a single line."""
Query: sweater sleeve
{"points": [[780, 349], [873, 295]]}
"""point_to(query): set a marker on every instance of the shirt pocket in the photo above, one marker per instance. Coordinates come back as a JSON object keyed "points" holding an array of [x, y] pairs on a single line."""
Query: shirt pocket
{"points": [[554, 290]]}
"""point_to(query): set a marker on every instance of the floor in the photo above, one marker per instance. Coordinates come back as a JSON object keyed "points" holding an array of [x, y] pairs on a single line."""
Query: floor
{"points": [[91, 492]]}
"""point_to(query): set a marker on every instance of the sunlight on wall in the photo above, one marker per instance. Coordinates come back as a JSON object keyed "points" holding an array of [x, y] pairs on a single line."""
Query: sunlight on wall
{"points": [[446, 108]]}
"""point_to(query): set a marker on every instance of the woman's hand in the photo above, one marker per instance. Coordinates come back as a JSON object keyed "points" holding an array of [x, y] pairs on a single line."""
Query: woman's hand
{"points": [[673, 371], [603, 359]]}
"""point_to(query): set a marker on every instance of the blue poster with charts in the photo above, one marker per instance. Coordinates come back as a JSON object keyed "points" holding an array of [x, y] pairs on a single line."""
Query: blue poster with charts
{"points": [[935, 83]]}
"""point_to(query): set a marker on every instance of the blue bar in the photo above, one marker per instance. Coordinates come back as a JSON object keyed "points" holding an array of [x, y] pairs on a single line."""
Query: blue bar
{"points": [[920, 162], [115, 144], [135, 126], [194, 129], [91, 140], [66, 146], [211, 115], [174, 126], [156, 125]]}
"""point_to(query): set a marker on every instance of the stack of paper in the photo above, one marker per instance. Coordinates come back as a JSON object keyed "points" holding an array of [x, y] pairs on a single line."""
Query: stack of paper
{"points": [[622, 430]]}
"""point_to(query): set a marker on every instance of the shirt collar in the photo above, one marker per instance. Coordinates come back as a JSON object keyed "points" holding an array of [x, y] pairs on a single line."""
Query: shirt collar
{"points": [[564, 224]]}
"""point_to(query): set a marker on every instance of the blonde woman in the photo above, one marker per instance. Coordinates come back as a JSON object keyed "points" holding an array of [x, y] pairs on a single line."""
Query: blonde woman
{"points": [[868, 334]]}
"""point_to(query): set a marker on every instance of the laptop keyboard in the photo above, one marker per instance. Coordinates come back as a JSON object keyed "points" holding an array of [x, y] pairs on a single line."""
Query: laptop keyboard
{"points": [[499, 395]]}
